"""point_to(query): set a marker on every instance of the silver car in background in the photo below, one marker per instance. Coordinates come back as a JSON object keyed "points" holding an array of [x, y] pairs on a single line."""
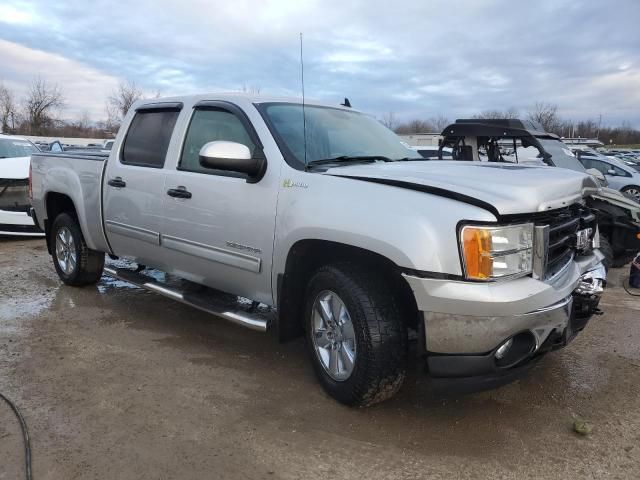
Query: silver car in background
{"points": [[619, 175]]}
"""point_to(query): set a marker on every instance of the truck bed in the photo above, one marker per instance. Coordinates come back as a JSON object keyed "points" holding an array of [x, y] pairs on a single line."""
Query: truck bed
{"points": [[78, 175]]}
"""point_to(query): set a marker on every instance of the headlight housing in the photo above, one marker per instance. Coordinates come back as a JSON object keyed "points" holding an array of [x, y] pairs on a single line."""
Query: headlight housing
{"points": [[492, 252]]}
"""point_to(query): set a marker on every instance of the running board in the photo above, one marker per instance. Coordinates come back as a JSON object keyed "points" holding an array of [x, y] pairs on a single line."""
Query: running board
{"points": [[235, 309]]}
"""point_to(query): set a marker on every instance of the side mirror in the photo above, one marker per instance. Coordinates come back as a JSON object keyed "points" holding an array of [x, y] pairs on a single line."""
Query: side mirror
{"points": [[232, 157], [597, 174]]}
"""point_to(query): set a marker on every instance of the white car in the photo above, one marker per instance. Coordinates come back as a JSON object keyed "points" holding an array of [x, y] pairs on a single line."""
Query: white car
{"points": [[15, 157]]}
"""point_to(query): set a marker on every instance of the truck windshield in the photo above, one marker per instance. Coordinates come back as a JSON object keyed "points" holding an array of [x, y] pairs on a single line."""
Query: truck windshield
{"points": [[561, 156], [331, 133], [11, 148]]}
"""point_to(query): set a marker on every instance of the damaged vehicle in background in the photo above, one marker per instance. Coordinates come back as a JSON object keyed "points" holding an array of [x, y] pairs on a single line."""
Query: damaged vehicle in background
{"points": [[429, 151], [15, 153], [526, 143]]}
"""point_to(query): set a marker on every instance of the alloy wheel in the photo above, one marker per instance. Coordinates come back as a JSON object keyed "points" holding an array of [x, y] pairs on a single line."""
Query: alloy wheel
{"points": [[334, 338], [66, 251]]}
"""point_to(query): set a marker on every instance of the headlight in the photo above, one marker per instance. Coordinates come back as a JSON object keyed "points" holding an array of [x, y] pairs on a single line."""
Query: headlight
{"points": [[495, 252]]}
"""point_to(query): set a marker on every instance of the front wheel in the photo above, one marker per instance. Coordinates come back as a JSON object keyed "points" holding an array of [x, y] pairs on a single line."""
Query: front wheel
{"points": [[356, 337], [75, 263]]}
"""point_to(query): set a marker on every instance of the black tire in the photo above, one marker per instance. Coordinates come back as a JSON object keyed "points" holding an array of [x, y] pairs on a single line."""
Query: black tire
{"points": [[380, 332], [607, 251], [622, 259], [89, 263], [630, 192]]}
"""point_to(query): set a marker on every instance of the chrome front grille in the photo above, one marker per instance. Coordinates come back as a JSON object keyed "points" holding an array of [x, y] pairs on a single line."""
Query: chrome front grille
{"points": [[556, 238], [561, 247]]}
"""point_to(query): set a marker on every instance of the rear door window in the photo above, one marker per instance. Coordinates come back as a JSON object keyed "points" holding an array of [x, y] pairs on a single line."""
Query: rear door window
{"points": [[148, 138]]}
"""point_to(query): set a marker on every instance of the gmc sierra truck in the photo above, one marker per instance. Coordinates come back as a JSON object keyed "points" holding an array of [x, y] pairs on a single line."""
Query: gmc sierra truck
{"points": [[315, 220]]}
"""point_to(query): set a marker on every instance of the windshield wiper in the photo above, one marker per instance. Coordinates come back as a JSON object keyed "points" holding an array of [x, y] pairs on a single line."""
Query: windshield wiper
{"points": [[348, 158]]}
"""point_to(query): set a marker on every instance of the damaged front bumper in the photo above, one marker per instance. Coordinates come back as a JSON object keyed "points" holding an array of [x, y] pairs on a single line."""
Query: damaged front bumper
{"points": [[491, 329]]}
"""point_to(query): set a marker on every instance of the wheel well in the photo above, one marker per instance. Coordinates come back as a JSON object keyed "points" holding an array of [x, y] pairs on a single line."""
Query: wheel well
{"points": [[306, 256], [56, 203]]}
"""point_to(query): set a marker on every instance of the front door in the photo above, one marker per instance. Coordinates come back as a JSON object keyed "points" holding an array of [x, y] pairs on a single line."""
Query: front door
{"points": [[222, 234]]}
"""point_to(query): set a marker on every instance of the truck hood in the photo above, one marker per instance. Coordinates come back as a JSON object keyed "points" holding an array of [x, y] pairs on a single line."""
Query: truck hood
{"points": [[500, 188], [15, 168]]}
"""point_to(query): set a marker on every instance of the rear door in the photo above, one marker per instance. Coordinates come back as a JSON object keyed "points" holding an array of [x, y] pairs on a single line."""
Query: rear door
{"points": [[222, 234], [134, 185]]}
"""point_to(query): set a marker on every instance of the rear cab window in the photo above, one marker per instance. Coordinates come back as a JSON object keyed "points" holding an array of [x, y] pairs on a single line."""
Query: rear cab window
{"points": [[149, 135]]}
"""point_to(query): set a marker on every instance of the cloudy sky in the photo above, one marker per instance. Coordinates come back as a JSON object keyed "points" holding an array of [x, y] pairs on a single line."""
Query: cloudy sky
{"points": [[416, 58]]}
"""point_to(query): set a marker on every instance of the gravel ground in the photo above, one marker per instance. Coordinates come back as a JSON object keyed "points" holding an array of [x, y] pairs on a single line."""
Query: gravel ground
{"points": [[116, 382]]}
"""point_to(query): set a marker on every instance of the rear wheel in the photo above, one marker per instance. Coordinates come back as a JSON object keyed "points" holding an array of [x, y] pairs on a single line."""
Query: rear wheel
{"points": [[356, 337], [75, 263]]}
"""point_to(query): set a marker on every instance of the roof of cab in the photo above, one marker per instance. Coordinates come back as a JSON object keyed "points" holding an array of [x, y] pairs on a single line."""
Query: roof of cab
{"points": [[241, 98]]}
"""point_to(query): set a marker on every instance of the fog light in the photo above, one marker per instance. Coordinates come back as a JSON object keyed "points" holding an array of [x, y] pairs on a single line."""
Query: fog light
{"points": [[503, 349], [515, 350]]}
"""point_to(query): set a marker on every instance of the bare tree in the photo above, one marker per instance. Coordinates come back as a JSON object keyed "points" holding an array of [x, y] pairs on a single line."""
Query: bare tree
{"points": [[439, 122], [120, 101], [7, 109], [41, 103], [546, 114], [251, 89], [389, 120], [509, 113], [84, 122], [414, 126], [112, 123]]}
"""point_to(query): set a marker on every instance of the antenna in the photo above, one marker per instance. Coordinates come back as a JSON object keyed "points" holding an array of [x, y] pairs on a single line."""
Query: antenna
{"points": [[304, 117]]}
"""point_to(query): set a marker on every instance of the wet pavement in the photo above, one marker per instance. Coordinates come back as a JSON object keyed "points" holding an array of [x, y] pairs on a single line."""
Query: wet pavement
{"points": [[117, 382]]}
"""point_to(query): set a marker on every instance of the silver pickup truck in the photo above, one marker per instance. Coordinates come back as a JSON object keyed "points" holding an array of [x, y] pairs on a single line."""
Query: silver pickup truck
{"points": [[316, 220]]}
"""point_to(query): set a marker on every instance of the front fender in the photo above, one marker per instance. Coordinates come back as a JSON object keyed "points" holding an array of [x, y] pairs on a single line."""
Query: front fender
{"points": [[414, 230]]}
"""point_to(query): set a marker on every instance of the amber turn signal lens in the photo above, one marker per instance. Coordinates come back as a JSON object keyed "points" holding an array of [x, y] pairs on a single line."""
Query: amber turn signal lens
{"points": [[476, 243]]}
